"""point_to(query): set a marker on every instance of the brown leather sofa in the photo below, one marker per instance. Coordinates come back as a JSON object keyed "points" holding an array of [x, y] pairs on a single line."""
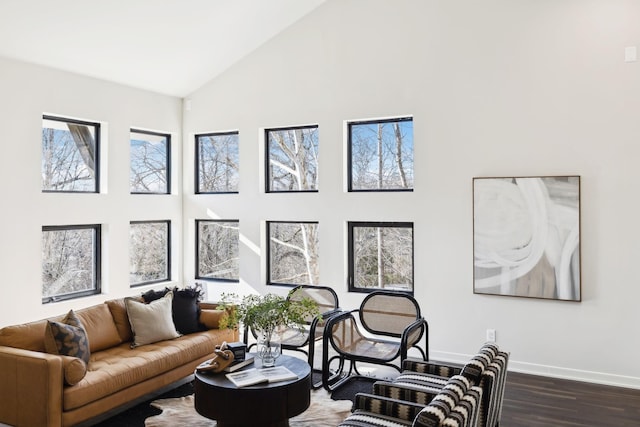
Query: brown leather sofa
{"points": [[35, 388]]}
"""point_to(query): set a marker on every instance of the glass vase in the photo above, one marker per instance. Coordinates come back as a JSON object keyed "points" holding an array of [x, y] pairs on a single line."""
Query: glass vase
{"points": [[268, 349]]}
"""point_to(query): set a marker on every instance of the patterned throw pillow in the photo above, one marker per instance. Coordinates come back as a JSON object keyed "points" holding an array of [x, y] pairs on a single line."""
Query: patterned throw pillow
{"points": [[67, 338]]}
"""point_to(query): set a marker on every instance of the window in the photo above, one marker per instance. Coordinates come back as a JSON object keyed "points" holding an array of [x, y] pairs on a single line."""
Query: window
{"points": [[292, 253], [149, 252], [380, 256], [70, 262], [292, 159], [217, 160], [150, 162], [70, 155], [217, 244], [380, 155]]}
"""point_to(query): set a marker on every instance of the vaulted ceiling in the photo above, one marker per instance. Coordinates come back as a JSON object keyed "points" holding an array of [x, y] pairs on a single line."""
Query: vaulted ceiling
{"points": [[167, 46]]}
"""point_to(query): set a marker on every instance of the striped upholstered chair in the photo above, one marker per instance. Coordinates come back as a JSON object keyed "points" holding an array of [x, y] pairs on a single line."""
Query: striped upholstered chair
{"points": [[454, 405], [419, 380]]}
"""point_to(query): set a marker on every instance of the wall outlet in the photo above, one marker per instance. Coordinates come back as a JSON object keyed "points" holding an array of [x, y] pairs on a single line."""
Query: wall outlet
{"points": [[491, 335]]}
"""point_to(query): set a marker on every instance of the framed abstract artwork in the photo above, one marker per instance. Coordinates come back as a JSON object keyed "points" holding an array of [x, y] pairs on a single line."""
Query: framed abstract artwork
{"points": [[526, 237]]}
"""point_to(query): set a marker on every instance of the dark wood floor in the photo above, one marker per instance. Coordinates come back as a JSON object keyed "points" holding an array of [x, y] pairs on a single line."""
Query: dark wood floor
{"points": [[534, 401]]}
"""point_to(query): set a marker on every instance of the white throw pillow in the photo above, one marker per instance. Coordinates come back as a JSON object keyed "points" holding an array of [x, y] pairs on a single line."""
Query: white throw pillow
{"points": [[151, 322]]}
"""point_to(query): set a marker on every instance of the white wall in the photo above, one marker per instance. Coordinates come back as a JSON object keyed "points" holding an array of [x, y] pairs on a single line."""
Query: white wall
{"points": [[28, 91], [496, 88]]}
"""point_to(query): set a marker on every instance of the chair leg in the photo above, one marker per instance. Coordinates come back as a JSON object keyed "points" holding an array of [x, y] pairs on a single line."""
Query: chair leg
{"points": [[332, 381], [311, 359], [354, 368]]}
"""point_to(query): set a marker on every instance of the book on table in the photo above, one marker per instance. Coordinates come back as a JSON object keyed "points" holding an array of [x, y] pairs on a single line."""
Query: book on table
{"points": [[239, 365], [253, 376]]}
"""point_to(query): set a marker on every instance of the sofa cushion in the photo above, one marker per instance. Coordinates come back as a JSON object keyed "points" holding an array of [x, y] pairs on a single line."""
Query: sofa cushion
{"points": [[100, 327], [210, 318], [98, 324], [74, 369], [151, 322], [67, 337], [28, 336], [121, 367], [118, 311], [185, 308]]}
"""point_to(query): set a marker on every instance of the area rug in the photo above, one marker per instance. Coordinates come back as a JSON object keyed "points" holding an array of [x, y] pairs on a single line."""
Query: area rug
{"points": [[323, 412]]}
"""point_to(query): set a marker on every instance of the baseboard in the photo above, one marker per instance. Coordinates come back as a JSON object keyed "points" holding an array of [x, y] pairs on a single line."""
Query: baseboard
{"points": [[550, 371]]}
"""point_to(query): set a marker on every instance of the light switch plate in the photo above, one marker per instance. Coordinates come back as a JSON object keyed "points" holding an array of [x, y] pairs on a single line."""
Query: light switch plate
{"points": [[630, 54]]}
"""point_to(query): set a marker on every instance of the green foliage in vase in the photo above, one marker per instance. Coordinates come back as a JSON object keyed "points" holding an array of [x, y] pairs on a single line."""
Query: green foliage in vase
{"points": [[266, 313]]}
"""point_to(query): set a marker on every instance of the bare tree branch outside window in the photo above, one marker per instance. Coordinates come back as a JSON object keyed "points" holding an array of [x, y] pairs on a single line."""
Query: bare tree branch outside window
{"points": [[293, 253], [69, 155], [149, 162], [70, 261], [217, 162], [381, 256], [217, 251], [292, 159], [149, 252], [381, 155]]}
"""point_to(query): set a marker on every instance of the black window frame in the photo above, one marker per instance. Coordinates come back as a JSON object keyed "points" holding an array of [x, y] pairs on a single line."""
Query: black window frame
{"points": [[197, 189], [350, 124], [97, 262], [197, 253], [168, 252], [351, 254], [267, 168], [167, 168], [96, 160], [268, 252]]}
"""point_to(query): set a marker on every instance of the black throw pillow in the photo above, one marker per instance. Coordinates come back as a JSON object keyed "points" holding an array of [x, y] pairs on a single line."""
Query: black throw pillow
{"points": [[152, 295]]}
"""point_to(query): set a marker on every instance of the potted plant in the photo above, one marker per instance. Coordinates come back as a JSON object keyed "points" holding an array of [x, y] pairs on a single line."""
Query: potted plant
{"points": [[266, 314]]}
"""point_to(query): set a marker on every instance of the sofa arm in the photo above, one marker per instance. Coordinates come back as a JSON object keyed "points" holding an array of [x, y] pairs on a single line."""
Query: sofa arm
{"points": [[210, 318], [31, 386]]}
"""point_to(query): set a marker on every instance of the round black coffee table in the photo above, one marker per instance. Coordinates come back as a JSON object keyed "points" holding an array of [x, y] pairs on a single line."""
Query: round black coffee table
{"points": [[264, 404]]}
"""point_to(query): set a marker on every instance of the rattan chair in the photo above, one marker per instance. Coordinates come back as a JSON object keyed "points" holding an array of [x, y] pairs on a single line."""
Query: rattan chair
{"points": [[304, 339], [388, 324]]}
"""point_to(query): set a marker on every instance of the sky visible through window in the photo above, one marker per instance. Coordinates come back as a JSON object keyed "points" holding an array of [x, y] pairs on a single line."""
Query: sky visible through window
{"points": [[149, 163], [217, 163], [69, 161], [381, 155], [292, 159]]}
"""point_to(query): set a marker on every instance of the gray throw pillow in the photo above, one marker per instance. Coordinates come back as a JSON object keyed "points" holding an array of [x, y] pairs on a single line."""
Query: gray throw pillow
{"points": [[151, 322]]}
